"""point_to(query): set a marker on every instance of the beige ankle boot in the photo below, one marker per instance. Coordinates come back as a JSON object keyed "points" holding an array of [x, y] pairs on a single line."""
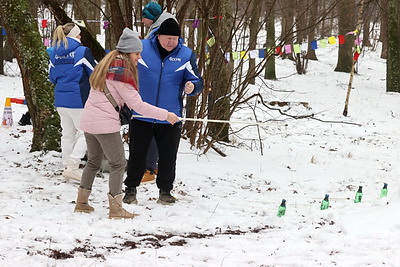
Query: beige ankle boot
{"points": [[82, 201], [116, 209]]}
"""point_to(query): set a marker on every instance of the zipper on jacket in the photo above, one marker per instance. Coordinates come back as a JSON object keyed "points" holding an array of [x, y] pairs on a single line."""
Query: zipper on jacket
{"points": [[158, 87]]}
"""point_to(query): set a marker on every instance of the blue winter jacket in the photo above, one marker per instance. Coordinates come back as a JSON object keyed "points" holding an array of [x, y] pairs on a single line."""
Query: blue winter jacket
{"points": [[161, 83], [69, 70]]}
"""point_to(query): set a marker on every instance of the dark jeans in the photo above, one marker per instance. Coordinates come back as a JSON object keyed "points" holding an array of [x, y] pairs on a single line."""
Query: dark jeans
{"points": [[152, 156], [167, 139]]}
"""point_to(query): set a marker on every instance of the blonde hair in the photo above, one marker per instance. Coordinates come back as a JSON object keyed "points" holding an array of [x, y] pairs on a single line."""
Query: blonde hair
{"points": [[60, 34], [98, 78]]}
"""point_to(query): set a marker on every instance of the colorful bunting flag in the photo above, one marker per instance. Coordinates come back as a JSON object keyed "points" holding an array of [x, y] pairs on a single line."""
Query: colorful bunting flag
{"points": [[211, 41], [314, 45], [196, 23], [81, 23], [227, 57], [106, 25], [288, 48], [235, 55], [296, 48], [353, 32], [322, 43], [3, 31], [332, 40], [46, 42], [262, 53], [253, 54], [341, 39], [304, 47], [356, 55], [208, 60], [44, 23]]}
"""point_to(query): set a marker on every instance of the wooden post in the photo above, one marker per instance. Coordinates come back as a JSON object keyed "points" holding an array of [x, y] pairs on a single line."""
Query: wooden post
{"points": [[358, 26]]}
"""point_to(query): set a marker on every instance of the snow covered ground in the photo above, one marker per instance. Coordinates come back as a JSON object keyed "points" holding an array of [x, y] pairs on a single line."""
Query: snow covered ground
{"points": [[227, 209]]}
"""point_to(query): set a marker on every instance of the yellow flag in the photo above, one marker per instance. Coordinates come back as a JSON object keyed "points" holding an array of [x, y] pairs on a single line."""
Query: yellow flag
{"points": [[211, 41], [243, 55], [332, 40]]}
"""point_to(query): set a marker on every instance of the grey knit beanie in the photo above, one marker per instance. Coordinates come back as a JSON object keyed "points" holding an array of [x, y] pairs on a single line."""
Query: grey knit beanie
{"points": [[129, 42]]}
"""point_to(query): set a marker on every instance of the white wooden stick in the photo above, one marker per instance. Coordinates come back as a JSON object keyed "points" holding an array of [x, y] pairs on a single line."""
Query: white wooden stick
{"points": [[224, 121]]}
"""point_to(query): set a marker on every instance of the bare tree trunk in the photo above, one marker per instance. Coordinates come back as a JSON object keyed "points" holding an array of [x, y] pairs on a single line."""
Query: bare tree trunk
{"points": [[366, 24], [347, 24], [33, 60], [302, 30], [128, 13], [393, 60], [220, 70], [1, 48], [254, 30], [288, 10], [312, 25], [384, 28], [270, 72], [118, 23]]}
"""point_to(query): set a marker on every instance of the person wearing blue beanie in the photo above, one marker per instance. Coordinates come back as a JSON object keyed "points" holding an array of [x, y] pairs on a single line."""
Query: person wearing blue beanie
{"points": [[150, 13]]}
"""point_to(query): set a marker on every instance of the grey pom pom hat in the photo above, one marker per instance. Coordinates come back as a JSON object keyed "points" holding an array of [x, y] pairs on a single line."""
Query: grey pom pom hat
{"points": [[129, 42]]}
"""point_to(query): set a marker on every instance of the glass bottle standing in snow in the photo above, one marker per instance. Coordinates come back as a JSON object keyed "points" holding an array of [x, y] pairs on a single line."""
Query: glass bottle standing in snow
{"points": [[384, 190], [325, 202], [358, 195], [282, 208]]}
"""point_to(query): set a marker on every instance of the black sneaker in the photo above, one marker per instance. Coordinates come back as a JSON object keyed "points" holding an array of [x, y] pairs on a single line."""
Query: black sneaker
{"points": [[166, 198], [130, 195]]}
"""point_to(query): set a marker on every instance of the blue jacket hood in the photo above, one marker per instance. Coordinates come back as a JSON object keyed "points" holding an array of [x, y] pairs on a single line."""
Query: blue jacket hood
{"points": [[72, 45]]}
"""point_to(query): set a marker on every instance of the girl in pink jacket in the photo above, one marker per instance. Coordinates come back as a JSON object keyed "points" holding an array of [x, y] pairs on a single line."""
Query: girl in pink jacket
{"points": [[101, 124]]}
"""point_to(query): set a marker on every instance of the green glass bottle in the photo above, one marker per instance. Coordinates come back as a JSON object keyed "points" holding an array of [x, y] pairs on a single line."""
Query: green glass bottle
{"points": [[325, 202], [384, 190], [282, 208], [359, 195]]}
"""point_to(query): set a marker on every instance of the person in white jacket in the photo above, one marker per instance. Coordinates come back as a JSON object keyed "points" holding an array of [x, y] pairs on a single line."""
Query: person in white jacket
{"points": [[101, 124]]}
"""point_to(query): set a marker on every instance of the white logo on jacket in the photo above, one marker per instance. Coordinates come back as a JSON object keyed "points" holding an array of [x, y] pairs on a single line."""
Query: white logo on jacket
{"points": [[175, 59], [71, 54]]}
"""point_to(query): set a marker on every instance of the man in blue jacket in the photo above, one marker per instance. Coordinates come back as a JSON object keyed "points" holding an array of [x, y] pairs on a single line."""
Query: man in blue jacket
{"points": [[167, 70]]}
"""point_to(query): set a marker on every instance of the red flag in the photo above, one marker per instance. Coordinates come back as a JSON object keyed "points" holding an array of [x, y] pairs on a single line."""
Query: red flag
{"points": [[44, 23], [341, 39], [356, 55]]}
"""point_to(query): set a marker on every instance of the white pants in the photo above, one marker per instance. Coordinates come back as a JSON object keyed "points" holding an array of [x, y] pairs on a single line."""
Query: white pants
{"points": [[73, 144]]}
